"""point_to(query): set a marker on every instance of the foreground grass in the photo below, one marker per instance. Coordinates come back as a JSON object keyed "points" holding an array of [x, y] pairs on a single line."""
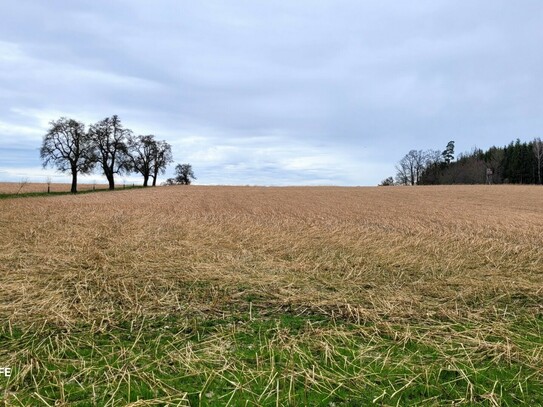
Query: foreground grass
{"points": [[269, 360]]}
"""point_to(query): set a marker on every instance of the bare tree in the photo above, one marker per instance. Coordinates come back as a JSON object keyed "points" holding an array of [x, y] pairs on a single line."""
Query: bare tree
{"points": [[109, 139], [538, 151], [68, 147], [403, 172], [411, 167], [387, 182], [162, 156], [420, 160], [183, 175], [433, 163], [141, 150], [22, 183], [432, 157]]}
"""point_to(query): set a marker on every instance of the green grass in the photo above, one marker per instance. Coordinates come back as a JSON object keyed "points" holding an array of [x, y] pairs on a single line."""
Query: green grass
{"points": [[269, 360]]}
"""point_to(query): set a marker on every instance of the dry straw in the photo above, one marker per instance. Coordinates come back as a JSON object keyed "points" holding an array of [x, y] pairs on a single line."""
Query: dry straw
{"points": [[360, 253], [455, 269]]}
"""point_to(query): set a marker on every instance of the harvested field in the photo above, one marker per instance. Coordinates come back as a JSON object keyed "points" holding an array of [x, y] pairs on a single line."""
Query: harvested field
{"points": [[274, 296], [37, 187]]}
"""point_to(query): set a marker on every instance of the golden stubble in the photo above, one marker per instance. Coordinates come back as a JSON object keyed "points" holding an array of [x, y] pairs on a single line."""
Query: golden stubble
{"points": [[378, 254]]}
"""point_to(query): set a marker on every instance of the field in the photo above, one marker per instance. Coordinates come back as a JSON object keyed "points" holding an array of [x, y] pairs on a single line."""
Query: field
{"points": [[273, 296], [36, 187]]}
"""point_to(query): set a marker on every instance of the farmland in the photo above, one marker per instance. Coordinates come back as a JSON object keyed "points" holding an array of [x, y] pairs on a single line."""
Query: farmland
{"points": [[37, 187], [273, 296]]}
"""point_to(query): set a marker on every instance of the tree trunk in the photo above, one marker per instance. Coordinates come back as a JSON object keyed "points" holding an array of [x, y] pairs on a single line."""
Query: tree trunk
{"points": [[145, 180], [155, 176], [74, 181], [109, 175]]}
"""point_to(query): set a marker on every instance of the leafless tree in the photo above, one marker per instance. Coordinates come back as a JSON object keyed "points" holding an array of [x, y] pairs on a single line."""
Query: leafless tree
{"points": [[22, 183], [161, 157], [109, 139], [68, 147], [432, 157], [433, 164], [420, 159], [402, 173], [410, 167], [141, 150], [387, 182], [183, 175]]}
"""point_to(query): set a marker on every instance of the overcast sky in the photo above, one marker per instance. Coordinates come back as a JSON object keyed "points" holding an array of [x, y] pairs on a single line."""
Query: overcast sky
{"points": [[273, 92]]}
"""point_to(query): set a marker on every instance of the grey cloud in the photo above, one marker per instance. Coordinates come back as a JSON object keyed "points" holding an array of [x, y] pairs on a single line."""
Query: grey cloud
{"points": [[354, 82]]}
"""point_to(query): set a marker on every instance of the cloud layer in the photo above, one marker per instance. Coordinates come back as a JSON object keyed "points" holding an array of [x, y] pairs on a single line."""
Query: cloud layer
{"points": [[250, 92]]}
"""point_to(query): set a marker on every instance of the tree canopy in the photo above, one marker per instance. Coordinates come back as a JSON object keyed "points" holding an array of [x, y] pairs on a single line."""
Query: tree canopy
{"points": [[183, 175], [516, 163], [107, 145], [109, 138], [68, 148]]}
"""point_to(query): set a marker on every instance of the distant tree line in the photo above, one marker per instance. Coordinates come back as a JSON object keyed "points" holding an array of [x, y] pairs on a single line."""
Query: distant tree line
{"points": [[517, 163], [107, 146]]}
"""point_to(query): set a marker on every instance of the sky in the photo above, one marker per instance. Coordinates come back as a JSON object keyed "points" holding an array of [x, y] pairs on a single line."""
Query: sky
{"points": [[275, 92]]}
